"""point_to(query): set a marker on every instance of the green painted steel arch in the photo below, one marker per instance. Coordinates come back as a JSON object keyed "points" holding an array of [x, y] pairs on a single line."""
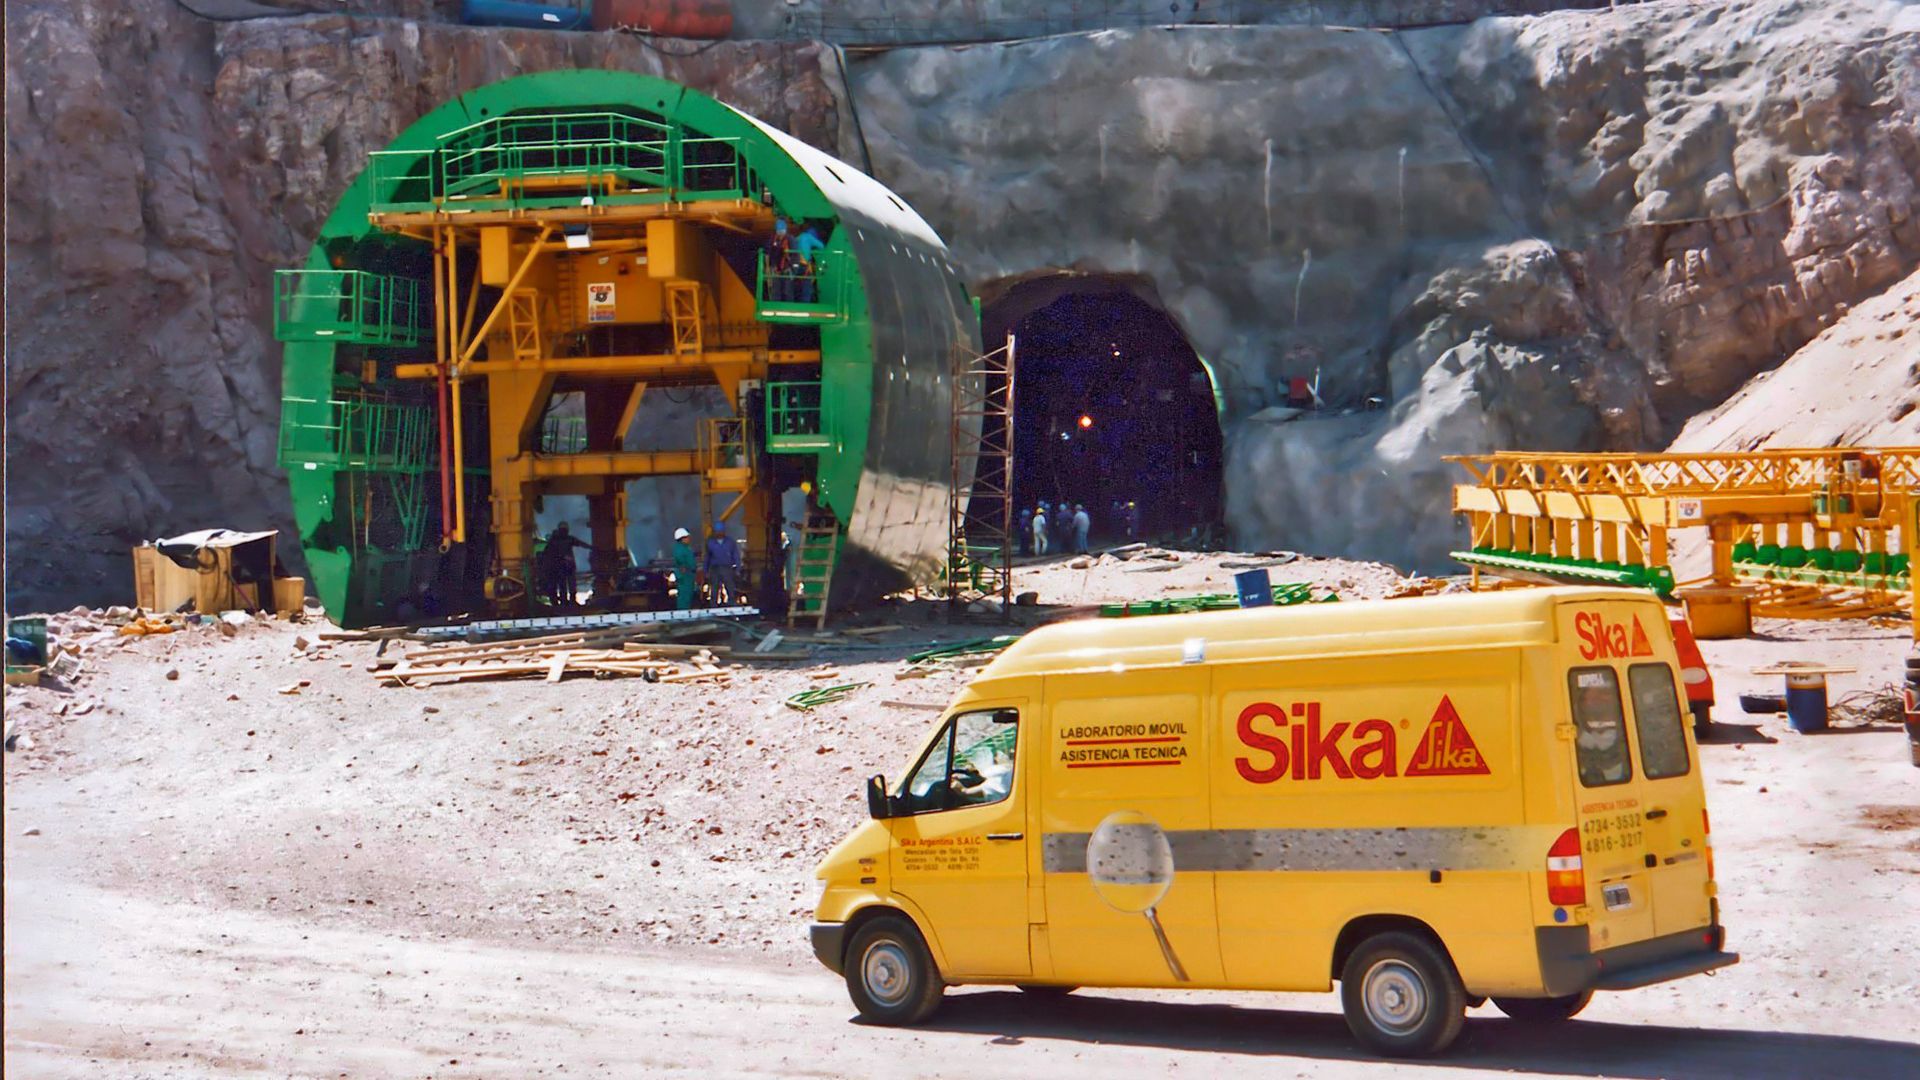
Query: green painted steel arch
{"points": [[885, 366]]}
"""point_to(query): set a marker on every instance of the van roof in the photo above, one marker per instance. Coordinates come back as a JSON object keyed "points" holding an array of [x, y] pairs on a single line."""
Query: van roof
{"points": [[1472, 620]]}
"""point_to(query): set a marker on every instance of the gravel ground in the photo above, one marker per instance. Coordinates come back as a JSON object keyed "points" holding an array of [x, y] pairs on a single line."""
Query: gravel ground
{"points": [[203, 874]]}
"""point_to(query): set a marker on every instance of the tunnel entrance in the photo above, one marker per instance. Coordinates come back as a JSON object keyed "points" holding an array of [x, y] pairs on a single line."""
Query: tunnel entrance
{"points": [[1112, 406]]}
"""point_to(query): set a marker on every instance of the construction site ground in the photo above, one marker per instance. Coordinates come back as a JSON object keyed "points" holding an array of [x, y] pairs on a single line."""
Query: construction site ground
{"points": [[609, 877]]}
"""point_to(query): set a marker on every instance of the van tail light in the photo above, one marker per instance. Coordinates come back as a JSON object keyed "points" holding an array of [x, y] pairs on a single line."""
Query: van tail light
{"points": [[1566, 875], [1706, 840], [1693, 676]]}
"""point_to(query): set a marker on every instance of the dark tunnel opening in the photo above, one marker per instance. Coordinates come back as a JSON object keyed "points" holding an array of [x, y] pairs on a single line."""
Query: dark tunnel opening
{"points": [[1112, 407]]}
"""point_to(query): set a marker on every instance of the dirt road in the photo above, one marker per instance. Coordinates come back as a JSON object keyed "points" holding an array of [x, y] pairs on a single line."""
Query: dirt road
{"points": [[102, 984], [205, 876]]}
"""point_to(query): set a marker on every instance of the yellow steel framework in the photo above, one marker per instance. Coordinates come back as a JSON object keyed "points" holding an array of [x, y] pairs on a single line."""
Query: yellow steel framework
{"points": [[1823, 533], [540, 283]]}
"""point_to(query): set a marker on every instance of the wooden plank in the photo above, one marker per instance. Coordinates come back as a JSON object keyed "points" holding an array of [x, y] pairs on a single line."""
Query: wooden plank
{"points": [[559, 666], [863, 631], [718, 674], [663, 649]]}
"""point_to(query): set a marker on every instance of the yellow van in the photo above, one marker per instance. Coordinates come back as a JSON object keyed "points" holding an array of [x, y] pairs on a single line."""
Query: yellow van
{"points": [[1432, 801]]}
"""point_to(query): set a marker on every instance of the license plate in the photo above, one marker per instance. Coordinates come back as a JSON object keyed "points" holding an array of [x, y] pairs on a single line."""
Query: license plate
{"points": [[1616, 897]]}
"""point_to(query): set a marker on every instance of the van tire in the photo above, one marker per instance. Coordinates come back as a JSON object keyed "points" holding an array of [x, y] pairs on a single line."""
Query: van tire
{"points": [[1401, 995], [890, 975], [1544, 1010]]}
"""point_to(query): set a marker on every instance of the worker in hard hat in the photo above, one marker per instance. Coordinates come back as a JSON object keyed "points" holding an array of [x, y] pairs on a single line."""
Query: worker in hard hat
{"points": [[1040, 528], [1082, 524], [807, 248], [684, 567], [780, 262]]}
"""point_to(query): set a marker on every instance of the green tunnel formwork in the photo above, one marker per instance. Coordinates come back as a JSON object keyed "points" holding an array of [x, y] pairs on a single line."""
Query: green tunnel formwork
{"points": [[362, 447]]}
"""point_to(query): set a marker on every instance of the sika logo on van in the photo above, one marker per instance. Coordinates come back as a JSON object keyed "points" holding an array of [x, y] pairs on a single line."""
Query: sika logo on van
{"points": [[1292, 743], [1603, 640]]}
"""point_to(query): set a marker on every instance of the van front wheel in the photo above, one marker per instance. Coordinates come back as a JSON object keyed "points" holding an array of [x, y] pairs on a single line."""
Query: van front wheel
{"points": [[1544, 1010], [1401, 996], [890, 975]]}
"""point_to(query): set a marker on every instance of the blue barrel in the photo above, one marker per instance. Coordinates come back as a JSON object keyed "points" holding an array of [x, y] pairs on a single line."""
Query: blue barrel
{"points": [[1807, 702], [1254, 588]]}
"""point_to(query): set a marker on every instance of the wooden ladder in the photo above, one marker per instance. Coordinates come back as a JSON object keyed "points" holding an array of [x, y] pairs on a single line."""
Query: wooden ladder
{"points": [[813, 572]]}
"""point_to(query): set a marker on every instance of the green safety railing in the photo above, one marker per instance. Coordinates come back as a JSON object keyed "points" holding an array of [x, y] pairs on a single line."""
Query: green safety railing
{"points": [[796, 418], [511, 162], [1285, 594], [1593, 571], [357, 434], [349, 306], [802, 293]]}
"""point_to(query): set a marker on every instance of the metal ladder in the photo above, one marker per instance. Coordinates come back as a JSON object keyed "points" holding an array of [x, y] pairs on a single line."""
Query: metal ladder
{"points": [[813, 572]]}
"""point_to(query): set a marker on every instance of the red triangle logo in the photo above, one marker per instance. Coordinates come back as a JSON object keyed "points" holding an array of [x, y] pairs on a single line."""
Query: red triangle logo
{"points": [[1640, 646], [1445, 748]]}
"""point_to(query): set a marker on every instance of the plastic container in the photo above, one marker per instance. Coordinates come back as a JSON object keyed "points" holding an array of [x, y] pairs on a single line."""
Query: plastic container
{"points": [[31, 629], [1807, 703], [1254, 587]]}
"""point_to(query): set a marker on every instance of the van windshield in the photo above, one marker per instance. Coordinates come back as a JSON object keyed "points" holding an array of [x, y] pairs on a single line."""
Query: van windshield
{"points": [[1600, 728]]}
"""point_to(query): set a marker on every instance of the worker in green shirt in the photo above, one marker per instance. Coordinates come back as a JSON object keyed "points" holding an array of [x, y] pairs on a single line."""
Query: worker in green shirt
{"points": [[684, 565]]}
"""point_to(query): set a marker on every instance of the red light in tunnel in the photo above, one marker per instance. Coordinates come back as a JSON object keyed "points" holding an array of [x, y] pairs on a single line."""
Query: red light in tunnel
{"points": [[1085, 421]]}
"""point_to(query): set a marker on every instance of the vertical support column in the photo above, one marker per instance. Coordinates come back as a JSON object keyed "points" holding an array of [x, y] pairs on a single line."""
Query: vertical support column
{"points": [[1583, 540], [606, 511], [1656, 545], [1609, 541], [1721, 533], [1562, 537]]}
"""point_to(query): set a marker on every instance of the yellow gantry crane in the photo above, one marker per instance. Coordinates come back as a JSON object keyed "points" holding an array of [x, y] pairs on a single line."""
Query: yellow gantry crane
{"points": [[1808, 534], [601, 297]]}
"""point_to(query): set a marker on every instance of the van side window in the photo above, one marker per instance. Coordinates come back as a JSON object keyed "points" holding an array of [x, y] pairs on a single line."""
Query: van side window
{"points": [[1656, 716], [1600, 729], [970, 764]]}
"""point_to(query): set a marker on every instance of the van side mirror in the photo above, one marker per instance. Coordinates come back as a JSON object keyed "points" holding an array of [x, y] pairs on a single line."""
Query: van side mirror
{"points": [[879, 807]]}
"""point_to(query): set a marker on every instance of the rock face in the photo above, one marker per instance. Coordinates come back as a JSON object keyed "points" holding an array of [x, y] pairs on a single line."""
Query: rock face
{"points": [[1857, 384], [1571, 231], [159, 167]]}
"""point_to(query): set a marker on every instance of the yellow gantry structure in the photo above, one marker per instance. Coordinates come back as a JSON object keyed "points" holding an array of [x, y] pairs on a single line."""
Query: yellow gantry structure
{"points": [[577, 288], [1820, 533]]}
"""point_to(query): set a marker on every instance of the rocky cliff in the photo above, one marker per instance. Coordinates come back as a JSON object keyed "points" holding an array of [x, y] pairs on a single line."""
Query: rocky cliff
{"points": [[1573, 231]]}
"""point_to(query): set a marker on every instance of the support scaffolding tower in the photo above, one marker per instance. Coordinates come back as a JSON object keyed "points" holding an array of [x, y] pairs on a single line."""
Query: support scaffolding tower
{"points": [[980, 537]]}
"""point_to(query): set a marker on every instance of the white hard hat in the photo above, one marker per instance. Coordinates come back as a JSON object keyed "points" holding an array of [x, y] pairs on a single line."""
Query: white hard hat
{"points": [[681, 534]]}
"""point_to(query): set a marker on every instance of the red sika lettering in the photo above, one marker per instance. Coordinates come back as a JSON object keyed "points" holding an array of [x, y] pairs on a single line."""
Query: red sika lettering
{"points": [[1272, 745]]}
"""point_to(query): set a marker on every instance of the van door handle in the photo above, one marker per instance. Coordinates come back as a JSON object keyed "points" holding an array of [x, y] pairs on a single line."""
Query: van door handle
{"points": [[1652, 861], [1656, 814], [1004, 835]]}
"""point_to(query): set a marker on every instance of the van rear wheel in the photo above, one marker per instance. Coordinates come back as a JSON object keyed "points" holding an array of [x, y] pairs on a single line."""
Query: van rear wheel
{"points": [[1401, 996], [890, 975], [1544, 1010]]}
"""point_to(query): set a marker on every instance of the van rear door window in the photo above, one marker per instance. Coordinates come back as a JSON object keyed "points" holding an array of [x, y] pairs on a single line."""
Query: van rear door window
{"points": [[1600, 728], [1656, 717]]}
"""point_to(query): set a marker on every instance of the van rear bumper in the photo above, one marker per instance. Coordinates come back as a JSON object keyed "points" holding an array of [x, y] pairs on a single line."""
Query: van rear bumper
{"points": [[1568, 967], [829, 944]]}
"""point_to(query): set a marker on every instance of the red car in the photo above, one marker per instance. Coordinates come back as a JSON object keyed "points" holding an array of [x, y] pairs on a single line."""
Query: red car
{"points": [[1693, 673]]}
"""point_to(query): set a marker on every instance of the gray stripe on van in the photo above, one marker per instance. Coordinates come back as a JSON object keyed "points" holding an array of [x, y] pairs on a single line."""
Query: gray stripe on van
{"points": [[1468, 848]]}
